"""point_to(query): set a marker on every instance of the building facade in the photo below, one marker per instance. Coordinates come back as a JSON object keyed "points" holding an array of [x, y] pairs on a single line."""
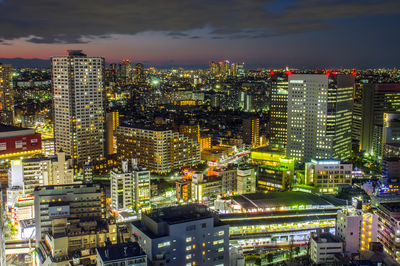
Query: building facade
{"points": [[327, 174], [6, 95], [161, 151], [44, 171], [183, 235], [319, 116], [389, 225], [130, 187], [79, 106], [278, 113]]}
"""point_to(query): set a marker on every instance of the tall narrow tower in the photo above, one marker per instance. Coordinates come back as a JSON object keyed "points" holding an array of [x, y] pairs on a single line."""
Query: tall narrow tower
{"points": [[6, 95], [78, 106]]}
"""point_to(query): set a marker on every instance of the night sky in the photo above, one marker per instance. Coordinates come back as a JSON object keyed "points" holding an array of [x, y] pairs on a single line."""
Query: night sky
{"points": [[270, 33]]}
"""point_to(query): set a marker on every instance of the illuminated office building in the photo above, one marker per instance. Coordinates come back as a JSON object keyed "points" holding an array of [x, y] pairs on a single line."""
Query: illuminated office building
{"points": [[376, 99], [327, 174], [319, 116], [6, 95], [159, 150], [278, 113], [275, 170], [78, 106]]}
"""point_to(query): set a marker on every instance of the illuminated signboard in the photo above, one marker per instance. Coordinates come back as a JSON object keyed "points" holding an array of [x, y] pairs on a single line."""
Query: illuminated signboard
{"points": [[56, 212]]}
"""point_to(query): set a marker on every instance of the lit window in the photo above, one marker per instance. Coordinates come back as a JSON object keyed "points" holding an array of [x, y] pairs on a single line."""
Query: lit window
{"points": [[164, 244]]}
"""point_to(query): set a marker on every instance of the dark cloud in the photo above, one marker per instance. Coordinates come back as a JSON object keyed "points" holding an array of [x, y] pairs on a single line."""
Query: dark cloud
{"points": [[76, 21]]}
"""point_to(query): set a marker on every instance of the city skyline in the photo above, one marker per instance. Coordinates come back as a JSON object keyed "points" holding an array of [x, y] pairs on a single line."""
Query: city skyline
{"points": [[261, 33]]}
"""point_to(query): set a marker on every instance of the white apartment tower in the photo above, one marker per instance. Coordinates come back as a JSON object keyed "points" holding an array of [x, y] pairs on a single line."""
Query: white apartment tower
{"points": [[319, 116], [78, 106], [130, 187]]}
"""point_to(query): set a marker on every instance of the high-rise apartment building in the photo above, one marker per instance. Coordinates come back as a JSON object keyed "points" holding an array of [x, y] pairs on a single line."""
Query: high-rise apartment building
{"points": [[251, 132], [278, 113], [130, 187], [319, 116], [191, 131], [78, 106], [159, 150], [389, 228], [6, 95], [185, 235]]}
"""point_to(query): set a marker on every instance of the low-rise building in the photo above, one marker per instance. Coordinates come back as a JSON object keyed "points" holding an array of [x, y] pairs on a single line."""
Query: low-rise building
{"points": [[327, 174], [185, 235], [324, 247], [246, 180]]}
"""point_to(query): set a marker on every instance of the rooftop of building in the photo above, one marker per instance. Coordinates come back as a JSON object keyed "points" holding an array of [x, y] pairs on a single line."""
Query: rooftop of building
{"points": [[52, 158], [6, 131], [326, 238], [181, 214], [269, 150], [393, 207], [284, 199], [69, 186], [151, 127], [171, 216], [119, 252]]}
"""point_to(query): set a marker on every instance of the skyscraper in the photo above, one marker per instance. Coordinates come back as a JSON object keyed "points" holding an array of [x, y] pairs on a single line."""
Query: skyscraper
{"points": [[78, 106], [319, 116], [6, 95], [125, 70], [140, 74], [376, 99], [278, 112]]}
